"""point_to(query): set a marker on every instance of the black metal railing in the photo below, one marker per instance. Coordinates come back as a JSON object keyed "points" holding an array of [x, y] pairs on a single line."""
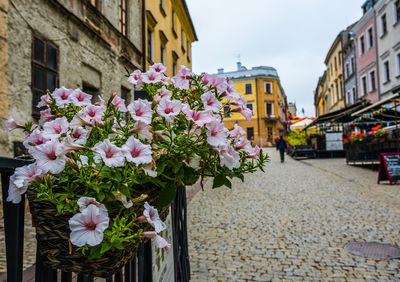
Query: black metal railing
{"points": [[139, 269]]}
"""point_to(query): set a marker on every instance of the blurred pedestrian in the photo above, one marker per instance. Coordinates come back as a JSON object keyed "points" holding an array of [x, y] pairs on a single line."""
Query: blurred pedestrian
{"points": [[281, 146]]}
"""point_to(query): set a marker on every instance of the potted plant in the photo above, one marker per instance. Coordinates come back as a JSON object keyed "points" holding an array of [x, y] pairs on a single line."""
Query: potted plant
{"points": [[106, 172]]}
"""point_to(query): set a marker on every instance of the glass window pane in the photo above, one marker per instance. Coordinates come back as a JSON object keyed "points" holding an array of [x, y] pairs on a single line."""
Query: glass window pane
{"points": [[38, 78], [38, 50], [51, 57], [36, 99], [51, 81]]}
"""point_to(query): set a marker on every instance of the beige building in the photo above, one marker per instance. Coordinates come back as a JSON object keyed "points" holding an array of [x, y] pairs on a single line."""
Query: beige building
{"points": [[321, 96], [87, 44], [333, 62]]}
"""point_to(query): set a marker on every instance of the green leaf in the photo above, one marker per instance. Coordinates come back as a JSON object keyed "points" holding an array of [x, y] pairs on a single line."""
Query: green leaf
{"points": [[101, 196], [95, 252], [219, 180], [160, 167], [105, 247], [167, 195], [228, 183]]}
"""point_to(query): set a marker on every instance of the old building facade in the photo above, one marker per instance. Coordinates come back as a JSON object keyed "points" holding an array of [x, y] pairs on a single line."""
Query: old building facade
{"points": [[388, 34], [321, 96], [84, 44], [349, 67], [333, 62], [265, 96], [169, 34], [366, 55]]}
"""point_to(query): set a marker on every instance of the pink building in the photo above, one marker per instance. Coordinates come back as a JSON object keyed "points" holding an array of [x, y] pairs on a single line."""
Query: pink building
{"points": [[366, 57]]}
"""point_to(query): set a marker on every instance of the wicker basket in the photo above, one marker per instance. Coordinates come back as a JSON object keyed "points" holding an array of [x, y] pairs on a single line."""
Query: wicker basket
{"points": [[52, 234]]}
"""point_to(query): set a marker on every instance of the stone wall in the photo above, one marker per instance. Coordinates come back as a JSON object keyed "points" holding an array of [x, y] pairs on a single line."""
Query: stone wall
{"points": [[91, 51], [3, 59]]}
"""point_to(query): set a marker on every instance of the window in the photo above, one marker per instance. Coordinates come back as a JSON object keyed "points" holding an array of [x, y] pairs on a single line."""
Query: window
{"points": [[250, 107], [269, 109], [125, 94], [335, 64], [347, 70], [123, 17], [396, 11], [352, 65], [372, 81], [250, 133], [354, 95], [92, 90], [269, 134], [44, 70], [348, 98], [337, 92], [182, 41], [362, 45], [370, 42], [268, 87], [150, 44], [363, 85], [398, 63], [383, 25], [226, 111], [162, 54], [174, 62], [248, 88], [162, 8], [173, 22], [386, 72]]}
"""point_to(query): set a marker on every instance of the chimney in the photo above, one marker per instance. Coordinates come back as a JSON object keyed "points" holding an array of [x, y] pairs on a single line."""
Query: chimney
{"points": [[221, 70], [239, 66]]}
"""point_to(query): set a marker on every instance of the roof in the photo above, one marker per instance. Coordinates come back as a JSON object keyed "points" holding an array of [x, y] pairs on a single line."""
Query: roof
{"points": [[255, 71]]}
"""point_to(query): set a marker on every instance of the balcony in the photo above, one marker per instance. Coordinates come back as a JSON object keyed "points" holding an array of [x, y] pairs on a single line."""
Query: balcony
{"points": [[271, 117]]}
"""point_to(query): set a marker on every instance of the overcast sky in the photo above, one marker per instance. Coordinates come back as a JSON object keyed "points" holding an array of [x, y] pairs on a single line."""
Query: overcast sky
{"points": [[292, 36]]}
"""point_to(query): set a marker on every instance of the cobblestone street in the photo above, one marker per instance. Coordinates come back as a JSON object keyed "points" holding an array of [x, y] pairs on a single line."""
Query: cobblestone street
{"points": [[291, 223]]}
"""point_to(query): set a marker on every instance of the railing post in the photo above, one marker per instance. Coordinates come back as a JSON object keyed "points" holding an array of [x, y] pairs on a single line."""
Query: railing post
{"points": [[180, 241], [14, 231]]}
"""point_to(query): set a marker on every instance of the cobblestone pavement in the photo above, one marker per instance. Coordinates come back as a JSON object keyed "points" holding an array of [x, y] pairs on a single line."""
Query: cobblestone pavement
{"points": [[291, 223]]}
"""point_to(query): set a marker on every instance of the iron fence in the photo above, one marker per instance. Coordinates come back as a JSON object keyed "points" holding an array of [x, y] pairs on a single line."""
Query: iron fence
{"points": [[139, 269]]}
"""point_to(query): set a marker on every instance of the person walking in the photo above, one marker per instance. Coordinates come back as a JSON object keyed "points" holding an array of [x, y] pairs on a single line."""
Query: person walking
{"points": [[281, 146]]}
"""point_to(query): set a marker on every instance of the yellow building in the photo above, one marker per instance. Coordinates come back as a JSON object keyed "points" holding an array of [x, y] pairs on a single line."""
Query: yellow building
{"points": [[321, 99], [265, 97], [169, 34], [333, 62]]}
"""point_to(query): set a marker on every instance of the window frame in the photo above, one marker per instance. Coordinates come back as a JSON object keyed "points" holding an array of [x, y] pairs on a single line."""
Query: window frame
{"points": [[396, 12], [245, 88], [372, 87], [247, 133], [43, 66], [364, 88], [369, 33], [266, 108], [397, 61], [383, 23], [150, 44], [361, 45], [386, 71], [270, 87], [250, 108], [123, 26]]}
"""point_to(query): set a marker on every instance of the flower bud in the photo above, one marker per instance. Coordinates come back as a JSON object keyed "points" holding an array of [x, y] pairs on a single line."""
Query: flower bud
{"points": [[148, 234], [141, 219]]}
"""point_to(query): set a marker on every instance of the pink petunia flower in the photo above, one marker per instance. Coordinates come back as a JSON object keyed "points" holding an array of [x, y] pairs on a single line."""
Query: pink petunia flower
{"points": [[152, 76], [11, 125], [159, 67], [53, 129], [164, 92], [153, 218], [243, 144], [237, 131], [217, 133], [198, 117], [169, 108], [46, 116], [136, 78], [87, 227], [246, 112], [93, 113], [241, 101], [80, 98], [80, 135], [84, 202], [140, 110], [137, 152], [211, 102], [62, 96], [254, 153], [229, 157], [112, 155], [34, 139], [119, 103], [181, 80], [159, 241], [49, 156], [20, 181], [45, 100], [143, 130]]}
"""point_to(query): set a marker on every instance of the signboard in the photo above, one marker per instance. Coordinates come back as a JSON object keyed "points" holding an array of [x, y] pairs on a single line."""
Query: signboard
{"points": [[334, 141], [163, 261], [389, 167]]}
